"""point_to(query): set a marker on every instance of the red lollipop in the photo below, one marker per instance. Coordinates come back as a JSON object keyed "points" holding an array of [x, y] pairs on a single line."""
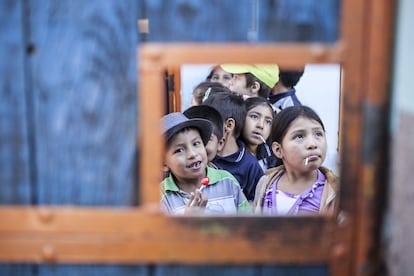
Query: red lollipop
{"points": [[204, 182]]}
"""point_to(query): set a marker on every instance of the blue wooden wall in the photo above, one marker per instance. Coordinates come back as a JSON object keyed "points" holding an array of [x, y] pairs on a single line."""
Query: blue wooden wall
{"points": [[68, 99]]}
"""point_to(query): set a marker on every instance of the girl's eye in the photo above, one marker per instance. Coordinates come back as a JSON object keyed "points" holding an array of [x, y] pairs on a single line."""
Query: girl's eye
{"points": [[226, 78], [254, 116], [215, 77], [269, 122], [320, 133], [298, 136]]}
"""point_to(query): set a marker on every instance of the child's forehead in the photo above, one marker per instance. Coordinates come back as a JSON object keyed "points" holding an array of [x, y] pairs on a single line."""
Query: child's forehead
{"points": [[262, 108], [304, 122], [239, 75], [184, 134]]}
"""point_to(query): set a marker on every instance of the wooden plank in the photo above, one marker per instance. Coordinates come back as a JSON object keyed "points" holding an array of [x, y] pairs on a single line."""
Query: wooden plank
{"points": [[379, 25], [15, 157], [150, 140], [157, 57], [85, 101], [352, 39], [284, 54], [75, 235]]}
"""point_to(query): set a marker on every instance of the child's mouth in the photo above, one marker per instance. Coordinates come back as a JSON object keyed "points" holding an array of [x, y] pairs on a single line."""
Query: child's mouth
{"points": [[259, 136], [195, 165]]}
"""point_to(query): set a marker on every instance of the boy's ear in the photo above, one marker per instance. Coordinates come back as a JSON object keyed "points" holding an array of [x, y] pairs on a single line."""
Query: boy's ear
{"points": [[229, 125], [254, 88], [221, 144], [277, 150]]}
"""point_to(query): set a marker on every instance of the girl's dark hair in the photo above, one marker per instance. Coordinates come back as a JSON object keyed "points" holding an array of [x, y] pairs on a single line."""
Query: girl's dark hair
{"points": [[229, 105], [290, 78], [210, 75], [252, 102], [264, 90], [284, 119], [208, 113], [199, 91]]}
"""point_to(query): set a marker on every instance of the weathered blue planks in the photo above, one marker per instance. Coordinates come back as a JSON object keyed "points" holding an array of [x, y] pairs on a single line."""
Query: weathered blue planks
{"points": [[85, 101], [242, 20], [232, 270], [14, 151]]}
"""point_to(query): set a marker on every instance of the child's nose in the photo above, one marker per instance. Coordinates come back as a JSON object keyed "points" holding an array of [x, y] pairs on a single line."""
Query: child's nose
{"points": [[191, 152], [260, 123], [311, 142]]}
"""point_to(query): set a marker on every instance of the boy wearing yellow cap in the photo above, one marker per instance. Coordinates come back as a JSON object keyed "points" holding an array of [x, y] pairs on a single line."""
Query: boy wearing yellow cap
{"points": [[252, 80]]}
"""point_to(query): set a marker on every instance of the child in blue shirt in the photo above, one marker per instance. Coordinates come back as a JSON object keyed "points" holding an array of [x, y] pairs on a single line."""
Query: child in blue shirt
{"points": [[234, 157], [283, 93]]}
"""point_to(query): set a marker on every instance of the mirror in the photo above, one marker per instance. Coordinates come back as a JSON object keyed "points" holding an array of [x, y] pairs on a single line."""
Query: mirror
{"points": [[318, 88]]}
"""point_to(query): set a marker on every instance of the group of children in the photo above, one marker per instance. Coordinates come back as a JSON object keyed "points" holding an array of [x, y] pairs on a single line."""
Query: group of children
{"points": [[237, 151]]}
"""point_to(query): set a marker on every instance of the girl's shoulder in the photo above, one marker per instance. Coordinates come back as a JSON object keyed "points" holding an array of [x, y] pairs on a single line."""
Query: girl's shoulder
{"points": [[274, 171], [331, 178], [269, 177]]}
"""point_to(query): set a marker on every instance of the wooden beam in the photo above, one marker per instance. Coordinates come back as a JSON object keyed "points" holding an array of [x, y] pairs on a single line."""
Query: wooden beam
{"points": [[84, 235], [284, 54]]}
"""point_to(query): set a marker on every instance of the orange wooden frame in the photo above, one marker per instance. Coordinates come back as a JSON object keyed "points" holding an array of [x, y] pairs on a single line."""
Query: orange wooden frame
{"points": [[144, 235]]}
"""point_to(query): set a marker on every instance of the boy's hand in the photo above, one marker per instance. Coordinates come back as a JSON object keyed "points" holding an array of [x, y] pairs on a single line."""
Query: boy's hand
{"points": [[197, 203]]}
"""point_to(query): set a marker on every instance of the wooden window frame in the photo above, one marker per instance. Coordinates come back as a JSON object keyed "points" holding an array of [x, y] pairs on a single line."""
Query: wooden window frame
{"points": [[42, 234]]}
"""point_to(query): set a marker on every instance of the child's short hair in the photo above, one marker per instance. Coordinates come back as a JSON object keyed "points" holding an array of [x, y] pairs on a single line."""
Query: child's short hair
{"points": [[199, 92], [290, 78], [229, 105], [209, 113], [252, 102], [175, 122]]}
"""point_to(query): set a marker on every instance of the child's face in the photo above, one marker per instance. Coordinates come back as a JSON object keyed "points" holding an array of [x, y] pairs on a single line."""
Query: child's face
{"points": [[238, 84], [304, 140], [219, 75], [258, 124], [212, 147], [186, 155], [194, 100]]}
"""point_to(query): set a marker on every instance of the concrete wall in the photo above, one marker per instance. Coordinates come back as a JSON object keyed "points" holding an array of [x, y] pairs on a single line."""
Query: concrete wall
{"points": [[399, 227]]}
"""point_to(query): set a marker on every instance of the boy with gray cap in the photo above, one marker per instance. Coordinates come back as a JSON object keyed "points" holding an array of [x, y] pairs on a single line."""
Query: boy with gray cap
{"points": [[192, 187]]}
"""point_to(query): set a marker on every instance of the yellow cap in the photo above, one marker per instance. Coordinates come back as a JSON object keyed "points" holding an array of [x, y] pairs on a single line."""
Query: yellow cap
{"points": [[267, 73]]}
